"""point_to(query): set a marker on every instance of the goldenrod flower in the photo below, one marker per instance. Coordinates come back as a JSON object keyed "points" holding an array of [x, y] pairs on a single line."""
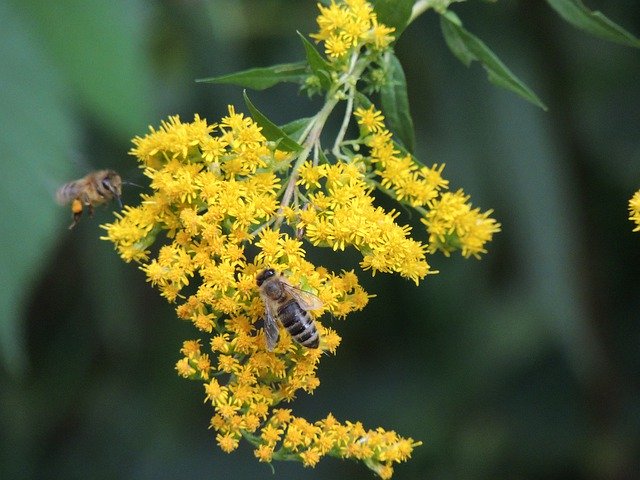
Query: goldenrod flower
{"points": [[370, 119], [228, 442], [209, 214], [349, 26], [225, 204], [454, 225], [634, 210]]}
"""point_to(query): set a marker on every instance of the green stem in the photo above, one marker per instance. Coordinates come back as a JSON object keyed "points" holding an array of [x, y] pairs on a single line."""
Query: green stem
{"points": [[314, 136], [349, 79], [252, 439], [307, 129]]}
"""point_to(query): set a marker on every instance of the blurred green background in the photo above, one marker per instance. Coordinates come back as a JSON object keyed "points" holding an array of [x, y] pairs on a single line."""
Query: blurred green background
{"points": [[525, 365]]}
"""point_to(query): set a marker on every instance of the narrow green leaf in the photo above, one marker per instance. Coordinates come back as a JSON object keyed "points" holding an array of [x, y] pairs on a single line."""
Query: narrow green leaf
{"points": [[594, 22], [395, 103], [295, 128], [264, 77], [467, 47], [394, 13], [270, 130], [318, 64]]}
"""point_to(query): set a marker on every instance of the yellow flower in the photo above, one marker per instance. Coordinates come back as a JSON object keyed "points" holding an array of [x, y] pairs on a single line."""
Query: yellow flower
{"points": [[213, 390], [184, 368], [336, 46], [370, 119], [227, 442], [264, 453], [190, 348], [634, 210], [453, 224], [310, 175], [271, 434], [310, 457], [380, 35], [294, 439], [348, 26], [332, 18]]}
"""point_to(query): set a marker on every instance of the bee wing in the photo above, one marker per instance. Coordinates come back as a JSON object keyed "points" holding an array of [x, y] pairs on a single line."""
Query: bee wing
{"points": [[306, 300], [270, 326]]}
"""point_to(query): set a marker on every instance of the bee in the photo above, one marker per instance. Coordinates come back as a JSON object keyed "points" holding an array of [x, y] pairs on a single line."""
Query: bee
{"points": [[291, 306], [95, 188]]}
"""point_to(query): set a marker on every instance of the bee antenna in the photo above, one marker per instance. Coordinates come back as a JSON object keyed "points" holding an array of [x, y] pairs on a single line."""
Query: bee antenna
{"points": [[132, 184]]}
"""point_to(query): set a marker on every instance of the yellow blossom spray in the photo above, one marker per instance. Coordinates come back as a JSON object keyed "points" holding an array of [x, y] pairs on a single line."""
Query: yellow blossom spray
{"points": [[233, 198]]}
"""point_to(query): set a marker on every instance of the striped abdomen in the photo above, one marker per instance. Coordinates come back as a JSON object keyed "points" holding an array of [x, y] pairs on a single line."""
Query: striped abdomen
{"points": [[68, 192], [299, 324]]}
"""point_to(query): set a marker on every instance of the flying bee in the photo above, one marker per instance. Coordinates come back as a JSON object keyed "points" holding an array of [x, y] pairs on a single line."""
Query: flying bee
{"points": [[95, 188], [291, 306]]}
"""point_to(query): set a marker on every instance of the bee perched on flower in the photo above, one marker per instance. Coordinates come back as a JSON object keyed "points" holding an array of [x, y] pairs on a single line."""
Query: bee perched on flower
{"points": [[291, 306], [233, 208]]}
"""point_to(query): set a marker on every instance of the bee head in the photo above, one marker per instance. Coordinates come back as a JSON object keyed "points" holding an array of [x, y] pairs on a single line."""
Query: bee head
{"points": [[264, 275], [112, 182]]}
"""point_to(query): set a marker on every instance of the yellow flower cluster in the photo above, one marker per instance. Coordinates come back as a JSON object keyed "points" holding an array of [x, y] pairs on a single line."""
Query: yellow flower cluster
{"points": [[289, 437], [451, 222], [226, 204], [348, 26], [340, 213], [634, 210], [454, 225], [215, 198]]}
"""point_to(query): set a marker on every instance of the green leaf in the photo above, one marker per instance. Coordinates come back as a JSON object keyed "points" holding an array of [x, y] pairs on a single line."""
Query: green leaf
{"points": [[467, 47], [295, 128], [395, 103], [37, 138], [270, 130], [394, 13], [264, 77], [318, 64], [594, 22], [101, 49]]}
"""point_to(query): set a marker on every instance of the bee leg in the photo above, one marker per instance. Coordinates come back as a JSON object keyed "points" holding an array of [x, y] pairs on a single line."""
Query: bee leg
{"points": [[90, 206], [76, 208]]}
